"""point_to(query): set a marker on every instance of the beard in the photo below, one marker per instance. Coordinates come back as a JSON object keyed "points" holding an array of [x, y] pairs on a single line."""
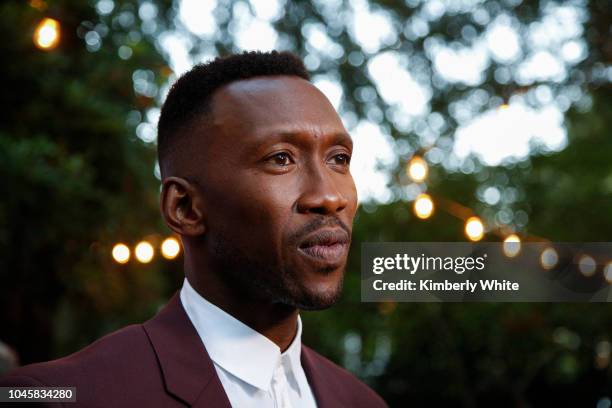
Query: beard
{"points": [[258, 279]]}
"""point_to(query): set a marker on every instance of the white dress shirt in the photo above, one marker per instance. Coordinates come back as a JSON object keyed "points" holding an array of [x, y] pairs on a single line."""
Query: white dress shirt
{"points": [[251, 368]]}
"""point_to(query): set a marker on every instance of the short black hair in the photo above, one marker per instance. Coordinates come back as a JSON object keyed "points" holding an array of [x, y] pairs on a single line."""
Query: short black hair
{"points": [[190, 96]]}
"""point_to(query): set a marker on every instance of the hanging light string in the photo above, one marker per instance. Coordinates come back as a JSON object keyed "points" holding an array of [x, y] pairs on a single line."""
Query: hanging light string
{"points": [[425, 204], [144, 251]]}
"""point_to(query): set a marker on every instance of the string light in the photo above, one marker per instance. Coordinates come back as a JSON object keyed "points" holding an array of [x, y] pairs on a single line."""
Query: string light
{"points": [[47, 34], [549, 258], [587, 265], [121, 253], [423, 206], [512, 245], [417, 169], [38, 4], [386, 308], [170, 248], [608, 272], [474, 229], [144, 252]]}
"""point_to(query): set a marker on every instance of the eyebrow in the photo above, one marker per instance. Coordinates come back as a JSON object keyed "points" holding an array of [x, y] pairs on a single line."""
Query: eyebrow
{"points": [[340, 138]]}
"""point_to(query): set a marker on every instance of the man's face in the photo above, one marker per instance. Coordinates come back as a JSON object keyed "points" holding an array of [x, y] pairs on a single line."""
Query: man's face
{"points": [[279, 197]]}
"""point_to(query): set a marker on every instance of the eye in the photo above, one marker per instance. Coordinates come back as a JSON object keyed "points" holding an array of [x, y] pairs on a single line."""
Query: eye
{"points": [[342, 159], [281, 159]]}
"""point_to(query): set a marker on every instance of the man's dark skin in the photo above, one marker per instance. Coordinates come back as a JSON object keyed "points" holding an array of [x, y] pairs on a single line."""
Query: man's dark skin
{"points": [[264, 201]]}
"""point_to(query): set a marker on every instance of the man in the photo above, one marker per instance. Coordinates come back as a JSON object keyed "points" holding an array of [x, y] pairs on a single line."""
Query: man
{"points": [[256, 181]]}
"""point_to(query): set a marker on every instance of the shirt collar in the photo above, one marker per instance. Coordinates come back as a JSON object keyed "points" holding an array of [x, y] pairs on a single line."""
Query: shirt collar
{"points": [[236, 347]]}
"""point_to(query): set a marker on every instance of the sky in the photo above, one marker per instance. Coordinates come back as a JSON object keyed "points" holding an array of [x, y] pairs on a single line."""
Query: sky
{"points": [[496, 131]]}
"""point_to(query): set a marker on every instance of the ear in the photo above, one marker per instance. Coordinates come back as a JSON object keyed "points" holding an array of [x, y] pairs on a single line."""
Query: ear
{"points": [[182, 207]]}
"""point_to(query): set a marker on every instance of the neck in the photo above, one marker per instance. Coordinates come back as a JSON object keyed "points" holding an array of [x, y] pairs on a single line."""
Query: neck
{"points": [[278, 322]]}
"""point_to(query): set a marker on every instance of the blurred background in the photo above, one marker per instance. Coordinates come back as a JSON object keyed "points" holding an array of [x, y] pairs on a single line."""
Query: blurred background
{"points": [[473, 120]]}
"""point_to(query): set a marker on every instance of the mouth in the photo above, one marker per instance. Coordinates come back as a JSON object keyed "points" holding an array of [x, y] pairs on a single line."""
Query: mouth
{"points": [[326, 246]]}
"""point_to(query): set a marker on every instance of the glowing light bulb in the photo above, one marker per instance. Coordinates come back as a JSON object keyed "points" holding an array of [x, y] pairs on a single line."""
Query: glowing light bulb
{"points": [[423, 206], [512, 245], [474, 229], [47, 34], [587, 265], [608, 272], [170, 248], [121, 253], [549, 258], [418, 169], [144, 252]]}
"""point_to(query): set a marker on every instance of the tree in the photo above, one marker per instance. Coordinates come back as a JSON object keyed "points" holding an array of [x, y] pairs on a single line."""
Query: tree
{"points": [[75, 177]]}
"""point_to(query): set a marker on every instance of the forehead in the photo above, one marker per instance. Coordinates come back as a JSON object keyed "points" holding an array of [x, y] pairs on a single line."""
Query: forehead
{"points": [[265, 105]]}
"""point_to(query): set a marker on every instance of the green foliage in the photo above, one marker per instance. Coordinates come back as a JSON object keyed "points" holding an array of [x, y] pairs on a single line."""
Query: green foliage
{"points": [[75, 181]]}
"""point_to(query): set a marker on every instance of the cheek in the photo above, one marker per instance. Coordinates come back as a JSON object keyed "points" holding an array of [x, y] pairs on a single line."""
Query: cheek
{"points": [[349, 191], [269, 203], [354, 198], [259, 212]]}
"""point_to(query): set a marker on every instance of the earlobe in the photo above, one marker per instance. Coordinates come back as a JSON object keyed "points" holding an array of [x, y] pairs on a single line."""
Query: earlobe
{"points": [[182, 207]]}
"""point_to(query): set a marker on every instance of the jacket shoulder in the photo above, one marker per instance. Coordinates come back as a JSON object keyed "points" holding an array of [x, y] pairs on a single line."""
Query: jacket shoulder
{"points": [[344, 383], [116, 354]]}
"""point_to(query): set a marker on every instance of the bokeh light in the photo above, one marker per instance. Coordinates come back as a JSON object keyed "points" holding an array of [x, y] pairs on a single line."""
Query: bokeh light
{"points": [[47, 34], [423, 206], [512, 245], [608, 272], [587, 265], [170, 248], [549, 258], [144, 252], [474, 229], [418, 169], [121, 253], [603, 349]]}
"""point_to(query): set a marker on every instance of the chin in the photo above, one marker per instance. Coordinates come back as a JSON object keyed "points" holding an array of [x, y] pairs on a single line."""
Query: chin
{"points": [[319, 296]]}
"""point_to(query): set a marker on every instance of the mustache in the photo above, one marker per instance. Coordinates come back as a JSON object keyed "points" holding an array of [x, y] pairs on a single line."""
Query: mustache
{"points": [[318, 223]]}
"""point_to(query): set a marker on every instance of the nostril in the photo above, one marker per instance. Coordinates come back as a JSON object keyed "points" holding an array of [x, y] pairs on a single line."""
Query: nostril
{"points": [[318, 210]]}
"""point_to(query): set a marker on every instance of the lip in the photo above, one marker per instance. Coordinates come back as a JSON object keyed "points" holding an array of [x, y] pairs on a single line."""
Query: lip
{"points": [[327, 246]]}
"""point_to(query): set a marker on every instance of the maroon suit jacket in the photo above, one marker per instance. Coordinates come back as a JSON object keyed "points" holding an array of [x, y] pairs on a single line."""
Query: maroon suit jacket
{"points": [[163, 363]]}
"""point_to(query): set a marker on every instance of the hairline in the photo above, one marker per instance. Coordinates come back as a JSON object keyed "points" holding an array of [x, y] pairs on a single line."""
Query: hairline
{"points": [[203, 117]]}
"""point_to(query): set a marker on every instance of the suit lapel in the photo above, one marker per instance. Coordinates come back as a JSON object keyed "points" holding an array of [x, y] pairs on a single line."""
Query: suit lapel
{"points": [[188, 371], [321, 387]]}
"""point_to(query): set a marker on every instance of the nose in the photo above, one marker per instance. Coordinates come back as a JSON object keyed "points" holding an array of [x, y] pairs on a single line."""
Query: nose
{"points": [[321, 194]]}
